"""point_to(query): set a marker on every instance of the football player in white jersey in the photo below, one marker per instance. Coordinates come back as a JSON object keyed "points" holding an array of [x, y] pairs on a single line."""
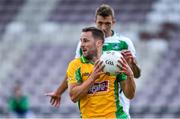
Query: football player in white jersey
{"points": [[105, 20]]}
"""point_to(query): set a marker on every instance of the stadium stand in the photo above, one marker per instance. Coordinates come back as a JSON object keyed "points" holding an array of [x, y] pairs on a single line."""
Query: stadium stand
{"points": [[37, 43], [83, 10], [8, 9]]}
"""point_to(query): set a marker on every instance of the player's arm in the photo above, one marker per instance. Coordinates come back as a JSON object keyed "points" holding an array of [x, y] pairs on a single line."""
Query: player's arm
{"points": [[135, 68], [128, 85], [132, 62], [62, 87], [56, 96], [76, 91]]}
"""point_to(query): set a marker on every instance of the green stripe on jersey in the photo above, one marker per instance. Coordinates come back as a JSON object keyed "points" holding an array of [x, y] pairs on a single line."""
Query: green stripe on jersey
{"points": [[120, 114], [78, 75], [79, 109], [117, 46]]}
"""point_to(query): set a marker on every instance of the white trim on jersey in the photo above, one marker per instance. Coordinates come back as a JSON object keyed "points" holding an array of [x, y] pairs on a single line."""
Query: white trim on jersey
{"points": [[78, 50], [129, 42]]}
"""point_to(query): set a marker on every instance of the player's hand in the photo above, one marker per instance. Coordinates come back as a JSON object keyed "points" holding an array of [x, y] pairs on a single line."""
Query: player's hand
{"points": [[124, 67], [97, 70], [55, 99], [128, 57]]}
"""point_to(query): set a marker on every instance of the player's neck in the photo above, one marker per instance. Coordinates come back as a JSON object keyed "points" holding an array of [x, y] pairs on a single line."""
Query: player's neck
{"points": [[97, 56], [111, 33]]}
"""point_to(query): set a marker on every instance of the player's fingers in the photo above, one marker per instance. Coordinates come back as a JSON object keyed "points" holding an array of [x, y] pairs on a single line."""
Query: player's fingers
{"points": [[119, 66], [126, 54], [125, 51], [51, 100], [122, 64], [98, 65], [123, 60], [58, 103], [96, 62], [48, 94], [122, 68], [121, 72], [129, 57], [101, 73], [101, 67]]}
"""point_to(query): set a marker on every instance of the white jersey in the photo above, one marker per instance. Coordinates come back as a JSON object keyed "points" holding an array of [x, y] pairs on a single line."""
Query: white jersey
{"points": [[118, 43]]}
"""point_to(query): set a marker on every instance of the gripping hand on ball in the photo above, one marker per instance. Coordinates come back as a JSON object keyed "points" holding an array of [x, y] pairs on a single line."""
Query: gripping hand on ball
{"points": [[124, 67], [128, 57], [132, 63], [97, 70]]}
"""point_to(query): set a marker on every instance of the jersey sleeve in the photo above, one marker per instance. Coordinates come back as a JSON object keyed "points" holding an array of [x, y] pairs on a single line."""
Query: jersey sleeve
{"points": [[71, 72], [121, 77], [74, 72], [130, 45]]}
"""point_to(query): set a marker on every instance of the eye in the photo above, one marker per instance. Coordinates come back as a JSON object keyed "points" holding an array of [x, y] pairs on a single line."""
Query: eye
{"points": [[107, 24], [100, 23]]}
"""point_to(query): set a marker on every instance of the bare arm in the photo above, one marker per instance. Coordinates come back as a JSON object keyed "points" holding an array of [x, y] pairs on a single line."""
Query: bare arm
{"points": [[135, 68], [56, 96], [77, 92], [62, 87], [128, 86]]}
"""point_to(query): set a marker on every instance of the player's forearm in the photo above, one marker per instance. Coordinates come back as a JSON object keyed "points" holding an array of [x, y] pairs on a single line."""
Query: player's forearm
{"points": [[62, 87], [136, 70], [78, 92], [129, 87]]}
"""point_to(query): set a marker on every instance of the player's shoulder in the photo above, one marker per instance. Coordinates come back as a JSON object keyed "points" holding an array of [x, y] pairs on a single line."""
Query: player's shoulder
{"points": [[75, 61], [122, 38]]}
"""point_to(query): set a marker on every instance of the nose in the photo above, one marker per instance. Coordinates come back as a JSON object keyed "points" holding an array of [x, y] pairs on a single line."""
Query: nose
{"points": [[82, 44], [103, 28]]}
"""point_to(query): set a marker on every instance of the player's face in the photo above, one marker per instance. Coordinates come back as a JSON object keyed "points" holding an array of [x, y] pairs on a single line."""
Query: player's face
{"points": [[88, 45], [105, 24]]}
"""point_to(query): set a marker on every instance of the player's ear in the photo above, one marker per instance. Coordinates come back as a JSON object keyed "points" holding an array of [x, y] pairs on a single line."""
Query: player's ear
{"points": [[113, 21], [99, 43]]}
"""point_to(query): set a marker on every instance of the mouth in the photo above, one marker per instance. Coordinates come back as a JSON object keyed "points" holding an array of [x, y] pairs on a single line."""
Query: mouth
{"points": [[84, 51]]}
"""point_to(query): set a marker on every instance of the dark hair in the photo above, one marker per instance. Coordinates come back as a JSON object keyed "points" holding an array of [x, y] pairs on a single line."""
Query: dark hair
{"points": [[105, 10], [97, 33]]}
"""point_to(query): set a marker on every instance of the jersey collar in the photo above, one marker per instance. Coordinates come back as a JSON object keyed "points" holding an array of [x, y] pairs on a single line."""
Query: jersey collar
{"points": [[85, 60], [113, 33]]}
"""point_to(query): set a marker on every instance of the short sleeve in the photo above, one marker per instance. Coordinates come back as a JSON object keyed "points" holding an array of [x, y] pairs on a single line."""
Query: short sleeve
{"points": [[71, 72], [121, 77], [130, 45], [74, 72]]}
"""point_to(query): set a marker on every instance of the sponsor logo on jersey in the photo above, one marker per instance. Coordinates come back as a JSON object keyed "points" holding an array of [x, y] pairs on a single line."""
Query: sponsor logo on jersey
{"points": [[98, 87]]}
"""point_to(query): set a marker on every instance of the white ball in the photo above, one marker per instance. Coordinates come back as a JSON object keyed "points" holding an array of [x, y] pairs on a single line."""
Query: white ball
{"points": [[110, 60]]}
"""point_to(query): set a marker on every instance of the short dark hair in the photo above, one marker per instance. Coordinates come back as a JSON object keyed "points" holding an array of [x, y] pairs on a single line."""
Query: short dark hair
{"points": [[105, 10], [97, 33]]}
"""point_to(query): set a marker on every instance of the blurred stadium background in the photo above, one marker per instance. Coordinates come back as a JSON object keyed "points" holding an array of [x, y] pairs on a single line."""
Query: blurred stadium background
{"points": [[38, 38]]}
